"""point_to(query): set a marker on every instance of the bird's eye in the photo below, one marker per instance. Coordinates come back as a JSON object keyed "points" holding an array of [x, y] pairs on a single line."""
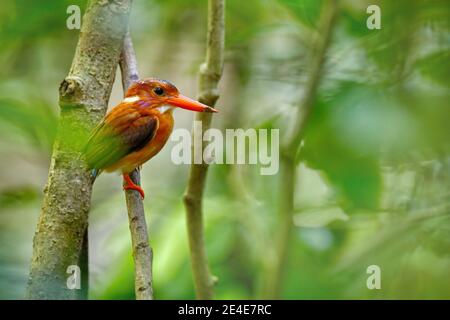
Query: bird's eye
{"points": [[159, 91]]}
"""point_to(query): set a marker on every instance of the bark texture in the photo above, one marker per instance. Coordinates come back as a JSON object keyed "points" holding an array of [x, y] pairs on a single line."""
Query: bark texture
{"points": [[84, 95], [209, 76], [142, 252]]}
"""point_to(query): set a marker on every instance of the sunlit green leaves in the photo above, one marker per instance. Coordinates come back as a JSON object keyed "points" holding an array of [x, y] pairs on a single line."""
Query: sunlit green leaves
{"points": [[403, 25], [345, 145]]}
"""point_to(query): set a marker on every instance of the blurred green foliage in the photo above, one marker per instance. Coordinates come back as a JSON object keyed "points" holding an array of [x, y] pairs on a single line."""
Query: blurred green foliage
{"points": [[374, 171]]}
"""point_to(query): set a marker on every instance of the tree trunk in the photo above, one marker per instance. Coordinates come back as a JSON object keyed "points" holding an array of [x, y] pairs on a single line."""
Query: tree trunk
{"points": [[84, 95]]}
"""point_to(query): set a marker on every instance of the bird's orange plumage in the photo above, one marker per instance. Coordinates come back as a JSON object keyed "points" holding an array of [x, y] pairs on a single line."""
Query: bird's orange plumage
{"points": [[163, 130], [137, 129]]}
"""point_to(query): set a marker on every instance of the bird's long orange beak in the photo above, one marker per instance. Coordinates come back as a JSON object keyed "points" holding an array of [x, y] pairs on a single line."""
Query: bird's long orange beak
{"points": [[189, 104]]}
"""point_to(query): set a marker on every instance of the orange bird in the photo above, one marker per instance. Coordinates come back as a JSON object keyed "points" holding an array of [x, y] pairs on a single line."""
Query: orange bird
{"points": [[136, 129]]}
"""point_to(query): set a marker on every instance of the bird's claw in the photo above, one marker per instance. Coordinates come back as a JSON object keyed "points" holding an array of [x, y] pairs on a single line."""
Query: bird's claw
{"points": [[130, 185], [135, 187]]}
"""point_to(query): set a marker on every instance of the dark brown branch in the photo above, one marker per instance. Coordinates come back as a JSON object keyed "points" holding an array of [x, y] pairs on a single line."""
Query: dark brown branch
{"points": [[142, 253], [209, 76], [84, 96]]}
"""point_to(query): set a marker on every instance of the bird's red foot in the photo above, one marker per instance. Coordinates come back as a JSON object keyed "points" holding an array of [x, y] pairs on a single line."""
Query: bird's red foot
{"points": [[130, 185]]}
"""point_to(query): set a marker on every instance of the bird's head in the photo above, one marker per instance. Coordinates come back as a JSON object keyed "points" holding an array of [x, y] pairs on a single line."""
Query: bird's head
{"points": [[156, 93]]}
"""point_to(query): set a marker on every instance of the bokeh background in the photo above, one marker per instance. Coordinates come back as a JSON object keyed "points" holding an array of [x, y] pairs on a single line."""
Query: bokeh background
{"points": [[373, 179]]}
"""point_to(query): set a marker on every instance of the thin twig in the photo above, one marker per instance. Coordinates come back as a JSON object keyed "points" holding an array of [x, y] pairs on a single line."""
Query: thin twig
{"points": [[209, 76], [142, 252], [320, 48]]}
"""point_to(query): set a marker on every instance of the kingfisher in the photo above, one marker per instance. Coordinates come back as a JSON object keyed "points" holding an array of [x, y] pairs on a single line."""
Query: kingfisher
{"points": [[136, 129]]}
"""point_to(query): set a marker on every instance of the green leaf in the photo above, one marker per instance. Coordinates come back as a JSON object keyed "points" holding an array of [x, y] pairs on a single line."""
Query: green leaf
{"points": [[343, 140]]}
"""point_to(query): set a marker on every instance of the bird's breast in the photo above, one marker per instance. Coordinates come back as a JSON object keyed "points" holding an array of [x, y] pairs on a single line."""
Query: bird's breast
{"points": [[148, 151]]}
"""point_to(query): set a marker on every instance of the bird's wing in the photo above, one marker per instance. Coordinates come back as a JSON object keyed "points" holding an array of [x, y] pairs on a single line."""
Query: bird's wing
{"points": [[122, 131]]}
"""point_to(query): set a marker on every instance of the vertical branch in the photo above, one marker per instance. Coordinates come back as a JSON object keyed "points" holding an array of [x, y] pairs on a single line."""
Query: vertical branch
{"points": [[275, 273], [318, 54], [83, 100], [209, 76], [142, 253]]}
